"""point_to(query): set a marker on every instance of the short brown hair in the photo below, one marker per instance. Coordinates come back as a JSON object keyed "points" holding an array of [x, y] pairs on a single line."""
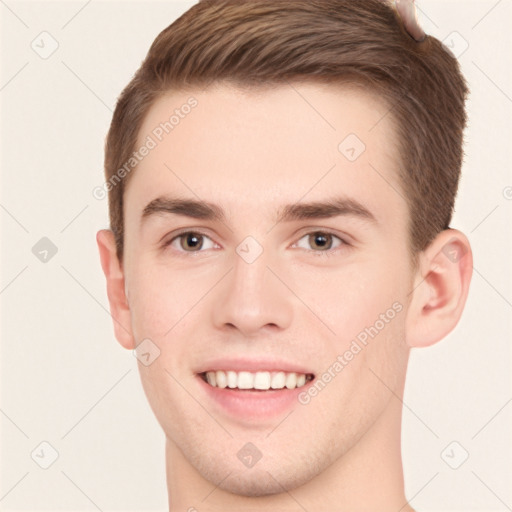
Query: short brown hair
{"points": [[261, 43]]}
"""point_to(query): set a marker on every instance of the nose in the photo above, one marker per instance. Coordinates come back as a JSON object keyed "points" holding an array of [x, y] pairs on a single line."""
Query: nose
{"points": [[253, 297]]}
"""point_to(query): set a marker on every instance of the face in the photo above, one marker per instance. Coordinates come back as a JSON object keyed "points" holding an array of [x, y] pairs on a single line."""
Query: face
{"points": [[295, 260]]}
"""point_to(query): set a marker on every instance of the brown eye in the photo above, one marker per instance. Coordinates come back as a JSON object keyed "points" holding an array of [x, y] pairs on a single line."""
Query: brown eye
{"points": [[190, 241], [320, 240]]}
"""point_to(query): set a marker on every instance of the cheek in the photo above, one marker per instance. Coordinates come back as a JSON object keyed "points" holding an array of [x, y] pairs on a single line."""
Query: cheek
{"points": [[352, 298], [369, 323], [164, 300], [157, 303], [366, 309]]}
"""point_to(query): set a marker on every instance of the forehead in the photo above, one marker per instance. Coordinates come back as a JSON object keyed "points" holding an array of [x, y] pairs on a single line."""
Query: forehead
{"points": [[252, 148]]}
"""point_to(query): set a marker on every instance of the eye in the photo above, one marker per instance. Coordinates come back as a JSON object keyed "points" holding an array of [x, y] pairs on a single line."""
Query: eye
{"points": [[322, 242], [190, 241]]}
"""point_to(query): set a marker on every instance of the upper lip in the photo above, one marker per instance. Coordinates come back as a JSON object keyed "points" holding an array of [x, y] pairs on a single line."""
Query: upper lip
{"points": [[253, 365]]}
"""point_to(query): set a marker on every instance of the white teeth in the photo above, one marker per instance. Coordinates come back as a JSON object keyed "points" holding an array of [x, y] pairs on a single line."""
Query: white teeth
{"points": [[210, 377], [221, 378], [291, 381], [231, 378], [262, 380], [257, 380], [245, 380], [278, 380]]}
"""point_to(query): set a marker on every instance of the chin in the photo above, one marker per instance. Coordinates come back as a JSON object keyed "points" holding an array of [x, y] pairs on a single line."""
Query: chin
{"points": [[259, 481], [257, 484]]}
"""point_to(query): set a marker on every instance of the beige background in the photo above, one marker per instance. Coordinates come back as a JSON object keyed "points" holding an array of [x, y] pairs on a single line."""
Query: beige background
{"points": [[64, 378]]}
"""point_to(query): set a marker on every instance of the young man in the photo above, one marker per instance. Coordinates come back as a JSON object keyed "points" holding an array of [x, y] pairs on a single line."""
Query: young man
{"points": [[281, 181]]}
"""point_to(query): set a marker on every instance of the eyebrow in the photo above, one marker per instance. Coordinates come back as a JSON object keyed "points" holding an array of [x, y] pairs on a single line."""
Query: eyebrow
{"points": [[193, 208]]}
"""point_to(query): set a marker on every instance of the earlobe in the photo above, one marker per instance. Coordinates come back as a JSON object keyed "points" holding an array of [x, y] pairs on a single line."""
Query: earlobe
{"points": [[440, 290], [116, 291]]}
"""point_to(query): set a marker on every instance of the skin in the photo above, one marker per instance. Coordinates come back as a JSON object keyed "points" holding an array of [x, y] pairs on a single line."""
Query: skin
{"points": [[251, 152]]}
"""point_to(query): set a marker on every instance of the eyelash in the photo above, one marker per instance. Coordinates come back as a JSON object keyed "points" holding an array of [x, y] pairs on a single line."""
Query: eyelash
{"points": [[325, 254]]}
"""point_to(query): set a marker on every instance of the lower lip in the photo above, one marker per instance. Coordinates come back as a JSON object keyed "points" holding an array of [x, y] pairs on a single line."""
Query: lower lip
{"points": [[254, 405]]}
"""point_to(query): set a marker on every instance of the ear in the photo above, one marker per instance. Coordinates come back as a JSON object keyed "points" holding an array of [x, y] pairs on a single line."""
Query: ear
{"points": [[119, 308], [440, 290]]}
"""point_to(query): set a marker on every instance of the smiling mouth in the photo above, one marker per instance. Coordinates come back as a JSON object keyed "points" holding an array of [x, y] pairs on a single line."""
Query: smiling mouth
{"points": [[256, 381]]}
